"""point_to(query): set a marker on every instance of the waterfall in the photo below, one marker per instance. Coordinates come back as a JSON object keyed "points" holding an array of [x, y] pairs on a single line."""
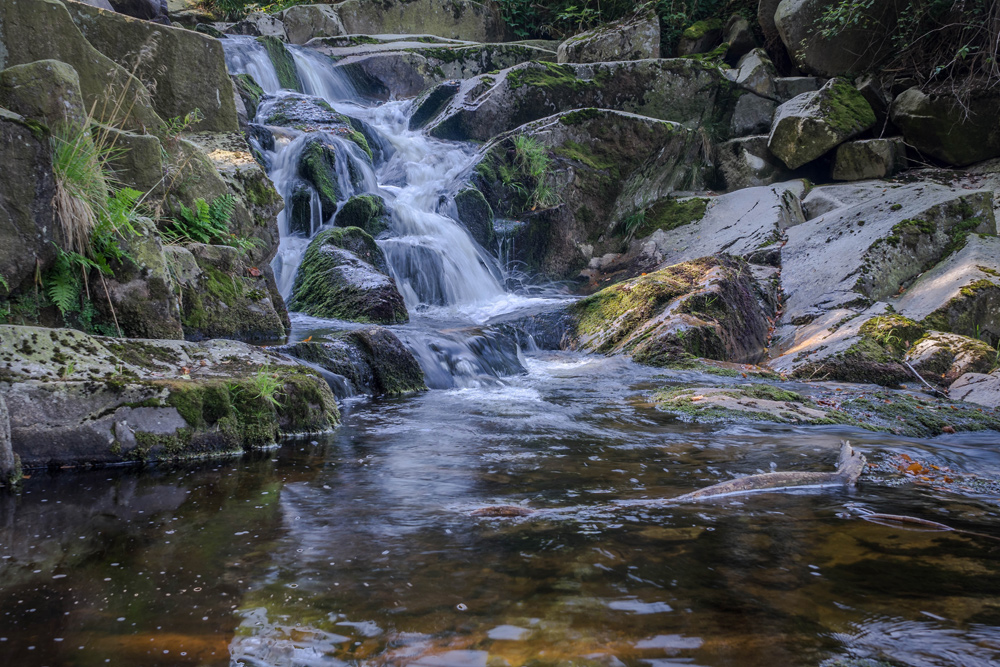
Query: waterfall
{"points": [[245, 55]]}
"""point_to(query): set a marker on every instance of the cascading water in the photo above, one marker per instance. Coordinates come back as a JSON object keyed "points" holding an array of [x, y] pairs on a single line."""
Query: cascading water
{"points": [[447, 281]]}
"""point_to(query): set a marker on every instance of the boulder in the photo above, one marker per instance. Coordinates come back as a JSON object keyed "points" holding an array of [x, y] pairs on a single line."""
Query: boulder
{"points": [[147, 10], [250, 93], [454, 19], [700, 37], [432, 102], [311, 114], [685, 91], [318, 167], [978, 388], [9, 473], [752, 115], [29, 227], [756, 73], [284, 64], [943, 357], [869, 158], [787, 87], [809, 125], [166, 55], [137, 160], [370, 360], [938, 126], [739, 36], [304, 22], [853, 49], [633, 38], [745, 162], [75, 399], [366, 212], [599, 167], [258, 24], [44, 90], [708, 307], [343, 275], [476, 215]]}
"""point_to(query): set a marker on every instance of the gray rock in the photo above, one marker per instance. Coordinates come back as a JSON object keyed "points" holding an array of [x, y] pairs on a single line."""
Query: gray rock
{"points": [[453, 19], [869, 158], [939, 127], [787, 87], [258, 24], [44, 90], [8, 464], [746, 163], [475, 214], [739, 36], [756, 73], [809, 125], [700, 37], [752, 115], [632, 38], [147, 10], [977, 388], [305, 22], [943, 357]]}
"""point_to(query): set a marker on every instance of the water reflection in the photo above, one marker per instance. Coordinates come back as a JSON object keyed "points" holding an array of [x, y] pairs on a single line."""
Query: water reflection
{"points": [[360, 549]]}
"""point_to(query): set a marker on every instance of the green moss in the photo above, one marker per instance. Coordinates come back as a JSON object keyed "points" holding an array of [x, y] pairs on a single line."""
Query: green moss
{"points": [[250, 89], [284, 64], [318, 166], [585, 154], [669, 214], [366, 212], [549, 76], [580, 116], [698, 29], [959, 234], [846, 109], [714, 57]]}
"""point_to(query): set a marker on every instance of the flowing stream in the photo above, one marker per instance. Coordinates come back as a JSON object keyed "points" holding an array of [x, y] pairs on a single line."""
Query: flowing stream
{"points": [[360, 547]]}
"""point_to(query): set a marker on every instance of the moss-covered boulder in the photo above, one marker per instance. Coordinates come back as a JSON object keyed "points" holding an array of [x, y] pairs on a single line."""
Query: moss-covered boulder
{"points": [[45, 90], [249, 92], [745, 162], [311, 114], [454, 19], [685, 91], [700, 37], [166, 56], [304, 22], [344, 276], [476, 215], [811, 124], [574, 177], [76, 399], [366, 212], [318, 167], [710, 307], [371, 361], [284, 64], [941, 127], [943, 357], [632, 38], [869, 158]]}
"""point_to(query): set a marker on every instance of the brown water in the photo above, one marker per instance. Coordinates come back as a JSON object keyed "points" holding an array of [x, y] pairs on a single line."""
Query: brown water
{"points": [[359, 548]]}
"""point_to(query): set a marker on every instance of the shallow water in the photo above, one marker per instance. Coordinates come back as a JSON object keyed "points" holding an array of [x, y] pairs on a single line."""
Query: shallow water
{"points": [[359, 548]]}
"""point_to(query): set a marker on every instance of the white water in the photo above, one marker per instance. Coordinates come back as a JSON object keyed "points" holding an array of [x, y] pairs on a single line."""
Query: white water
{"points": [[245, 55]]}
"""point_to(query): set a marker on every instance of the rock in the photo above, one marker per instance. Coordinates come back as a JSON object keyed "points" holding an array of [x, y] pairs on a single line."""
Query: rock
{"points": [[739, 36], [787, 87], [284, 64], [189, 13], [366, 212], [873, 90], [381, 76], [939, 127], [812, 123], [9, 473], [371, 361], [454, 19], [680, 90], [250, 93], [29, 227], [962, 293], [943, 357], [45, 90], [700, 37], [343, 275], [137, 161], [304, 22], [258, 24], [311, 114], [147, 10], [741, 403], [869, 158], [756, 74], [708, 308], [633, 38], [76, 399], [752, 115], [223, 298], [746, 163], [318, 167], [100, 4], [604, 165], [475, 214], [432, 102], [299, 205], [165, 55], [854, 49], [977, 388]]}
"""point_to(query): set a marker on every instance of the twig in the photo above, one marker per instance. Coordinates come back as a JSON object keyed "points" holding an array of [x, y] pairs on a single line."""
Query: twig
{"points": [[111, 305], [935, 390]]}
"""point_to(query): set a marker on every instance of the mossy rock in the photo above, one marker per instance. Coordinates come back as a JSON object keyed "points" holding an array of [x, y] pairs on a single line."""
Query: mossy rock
{"points": [[299, 211], [250, 92], [475, 214], [366, 212], [318, 167], [431, 103], [284, 64]]}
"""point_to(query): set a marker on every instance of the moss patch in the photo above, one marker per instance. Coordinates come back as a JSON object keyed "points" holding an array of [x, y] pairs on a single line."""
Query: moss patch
{"points": [[845, 108], [284, 64]]}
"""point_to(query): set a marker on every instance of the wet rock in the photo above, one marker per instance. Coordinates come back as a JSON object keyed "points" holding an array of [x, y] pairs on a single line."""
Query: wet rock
{"points": [[755, 73], [700, 37], [752, 115], [166, 56], [45, 90], [311, 114], [680, 90], [318, 167], [709, 307], [344, 276], [453, 19], [853, 49], [746, 163], [741, 403], [8, 464], [371, 361], [938, 125], [942, 357], [476, 215], [305, 22], [432, 102], [366, 212], [381, 76], [250, 92], [739, 36], [76, 399], [869, 158], [605, 165], [978, 388], [299, 206], [284, 64], [633, 38], [258, 24], [811, 124], [147, 10]]}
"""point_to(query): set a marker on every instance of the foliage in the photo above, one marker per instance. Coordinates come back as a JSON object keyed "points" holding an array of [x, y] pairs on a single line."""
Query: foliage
{"points": [[265, 385], [237, 9], [205, 223], [526, 171]]}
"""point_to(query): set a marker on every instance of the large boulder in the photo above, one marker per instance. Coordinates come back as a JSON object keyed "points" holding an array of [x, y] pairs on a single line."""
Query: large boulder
{"points": [[745, 162], [700, 37], [258, 24], [305, 22], [855, 48], [147, 10], [709, 307], [939, 126], [166, 56], [44, 90], [476, 215], [454, 19], [633, 38], [344, 275], [76, 399], [366, 212], [943, 357], [685, 91], [811, 124], [979, 388], [869, 158]]}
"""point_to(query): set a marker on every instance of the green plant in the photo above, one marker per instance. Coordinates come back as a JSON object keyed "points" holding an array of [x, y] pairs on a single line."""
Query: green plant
{"points": [[205, 223], [174, 127], [267, 385], [525, 171]]}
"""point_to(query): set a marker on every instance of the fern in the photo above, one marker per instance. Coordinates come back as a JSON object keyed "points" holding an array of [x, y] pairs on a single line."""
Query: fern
{"points": [[206, 223], [65, 280]]}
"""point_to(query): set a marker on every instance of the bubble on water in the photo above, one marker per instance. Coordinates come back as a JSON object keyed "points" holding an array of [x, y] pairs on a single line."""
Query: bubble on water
{"points": [[461, 606]]}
